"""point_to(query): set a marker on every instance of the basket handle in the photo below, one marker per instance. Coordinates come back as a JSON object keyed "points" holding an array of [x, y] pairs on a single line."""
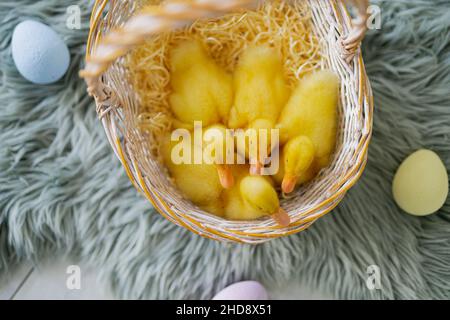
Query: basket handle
{"points": [[352, 41], [150, 20]]}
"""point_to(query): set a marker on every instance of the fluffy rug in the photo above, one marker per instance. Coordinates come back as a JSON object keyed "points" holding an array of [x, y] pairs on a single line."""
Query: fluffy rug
{"points": [[63, 192]]}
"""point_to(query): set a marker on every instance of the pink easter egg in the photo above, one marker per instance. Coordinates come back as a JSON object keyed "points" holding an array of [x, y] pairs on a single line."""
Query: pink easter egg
{"points": [[245, 290]]}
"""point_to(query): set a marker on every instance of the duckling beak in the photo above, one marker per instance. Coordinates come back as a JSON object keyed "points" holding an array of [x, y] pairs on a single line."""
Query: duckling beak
{"points": [[288, 184], [256, 169], [225, 176], [282, 218]]}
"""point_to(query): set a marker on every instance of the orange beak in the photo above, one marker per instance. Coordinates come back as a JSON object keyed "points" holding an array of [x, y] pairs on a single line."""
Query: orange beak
{"points": [[256, 169], [225, 176], [288, 184], [282, 218]]}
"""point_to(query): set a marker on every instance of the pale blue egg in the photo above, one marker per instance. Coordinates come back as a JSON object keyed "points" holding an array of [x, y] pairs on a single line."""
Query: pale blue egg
{"points": [[40, 54]]}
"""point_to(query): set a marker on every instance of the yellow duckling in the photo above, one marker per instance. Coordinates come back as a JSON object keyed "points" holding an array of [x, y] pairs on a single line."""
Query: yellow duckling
{"points": [[202, 91], [296, 163], [312, 112], [261, 92], [218, 149], [252, 197], [250, 141], [200, 183]]}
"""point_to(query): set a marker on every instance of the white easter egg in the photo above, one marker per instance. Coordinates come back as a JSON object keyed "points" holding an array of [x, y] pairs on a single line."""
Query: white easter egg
{"points": [[245, 290], [420, 186], [40, 54]]}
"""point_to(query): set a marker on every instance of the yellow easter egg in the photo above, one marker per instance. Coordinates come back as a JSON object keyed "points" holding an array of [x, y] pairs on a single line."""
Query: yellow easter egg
{"points": [[420, 186]]}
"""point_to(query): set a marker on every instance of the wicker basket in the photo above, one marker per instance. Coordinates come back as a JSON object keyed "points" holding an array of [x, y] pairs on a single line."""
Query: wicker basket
{"points": [[116, 29]]}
